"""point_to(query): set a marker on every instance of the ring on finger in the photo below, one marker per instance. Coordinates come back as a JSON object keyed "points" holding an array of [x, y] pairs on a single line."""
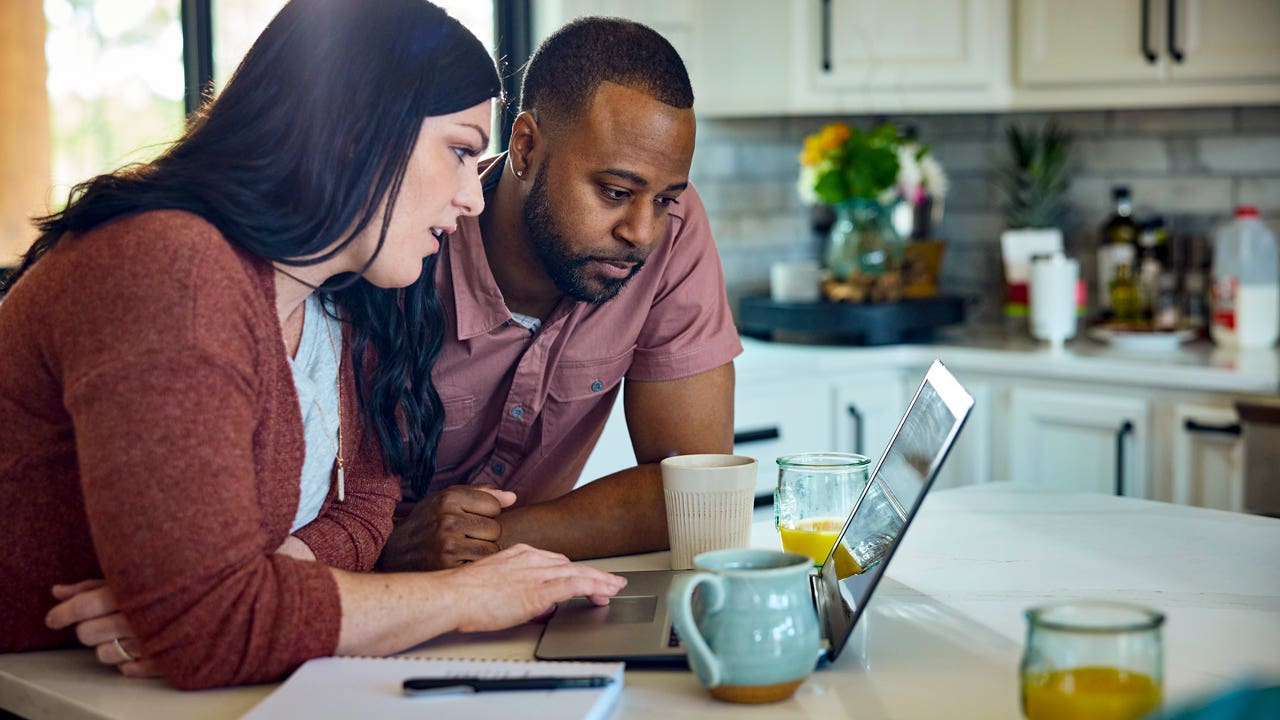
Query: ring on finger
{"points": [[125, 654]]}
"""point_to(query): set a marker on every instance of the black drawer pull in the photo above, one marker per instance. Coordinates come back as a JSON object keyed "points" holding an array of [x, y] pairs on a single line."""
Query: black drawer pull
{"points": [[1147, 52], [1193, 426], [742, 437]]}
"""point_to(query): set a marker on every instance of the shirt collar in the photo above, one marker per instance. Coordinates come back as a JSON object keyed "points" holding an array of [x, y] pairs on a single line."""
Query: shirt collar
{"points": [[477, 300]]}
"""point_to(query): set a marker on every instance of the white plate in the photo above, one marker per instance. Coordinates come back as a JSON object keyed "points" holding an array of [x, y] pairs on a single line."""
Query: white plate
{"points": [[1144, 340]]}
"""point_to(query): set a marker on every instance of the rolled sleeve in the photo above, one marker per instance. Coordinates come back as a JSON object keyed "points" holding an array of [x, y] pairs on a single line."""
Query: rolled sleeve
{"points": [[689, 329]]}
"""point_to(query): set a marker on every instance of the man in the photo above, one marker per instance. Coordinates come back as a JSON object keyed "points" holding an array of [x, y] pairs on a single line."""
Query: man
{"points": [[592, 267]]}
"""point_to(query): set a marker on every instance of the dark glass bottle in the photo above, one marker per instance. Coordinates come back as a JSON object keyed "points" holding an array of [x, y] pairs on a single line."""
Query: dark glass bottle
{"points": [[1117, 244]]}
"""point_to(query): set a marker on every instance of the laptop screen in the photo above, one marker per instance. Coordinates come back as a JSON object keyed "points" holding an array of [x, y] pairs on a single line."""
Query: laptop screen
{"points": [[888, 503]]}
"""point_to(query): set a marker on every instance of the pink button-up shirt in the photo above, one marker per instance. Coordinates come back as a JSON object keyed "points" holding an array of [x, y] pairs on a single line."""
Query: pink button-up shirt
{"points": [[523, 410]]}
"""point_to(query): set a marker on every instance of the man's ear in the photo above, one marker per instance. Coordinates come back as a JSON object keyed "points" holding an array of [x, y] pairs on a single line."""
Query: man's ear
{"points": [[525, 145]]}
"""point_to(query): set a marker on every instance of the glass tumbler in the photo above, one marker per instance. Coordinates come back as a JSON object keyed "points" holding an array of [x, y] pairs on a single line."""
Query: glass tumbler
{"points": [[1092, 659], [815, 493]]}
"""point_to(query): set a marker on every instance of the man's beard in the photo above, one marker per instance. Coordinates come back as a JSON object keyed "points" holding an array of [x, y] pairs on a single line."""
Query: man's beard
{"points": [[567, 269]]}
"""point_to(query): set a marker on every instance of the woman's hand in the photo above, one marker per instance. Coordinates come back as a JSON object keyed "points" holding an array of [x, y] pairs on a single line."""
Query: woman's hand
{"points": [[520, 584], [91, 607]]}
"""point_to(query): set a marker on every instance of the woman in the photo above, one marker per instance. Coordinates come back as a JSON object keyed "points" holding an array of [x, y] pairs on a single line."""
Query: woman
{"points": [[167, 326]]}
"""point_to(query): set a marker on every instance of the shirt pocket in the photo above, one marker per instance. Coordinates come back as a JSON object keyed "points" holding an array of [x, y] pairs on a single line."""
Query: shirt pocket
{"points": [[580, 394], [459, 407]]}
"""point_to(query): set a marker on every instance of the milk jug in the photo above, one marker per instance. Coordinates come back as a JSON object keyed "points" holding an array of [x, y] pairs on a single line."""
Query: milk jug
{"points": [[1245, 297]]}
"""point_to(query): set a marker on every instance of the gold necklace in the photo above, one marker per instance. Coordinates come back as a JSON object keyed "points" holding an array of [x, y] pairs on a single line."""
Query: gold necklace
{"points": [[337, 362]]}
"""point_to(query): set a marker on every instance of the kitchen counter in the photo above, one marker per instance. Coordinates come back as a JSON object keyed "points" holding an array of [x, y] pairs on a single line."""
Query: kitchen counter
{"points": [[1195, 366], [947, 620]]}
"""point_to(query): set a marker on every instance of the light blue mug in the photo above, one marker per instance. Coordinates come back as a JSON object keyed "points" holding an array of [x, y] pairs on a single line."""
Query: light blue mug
{"points": [[753, 635]]}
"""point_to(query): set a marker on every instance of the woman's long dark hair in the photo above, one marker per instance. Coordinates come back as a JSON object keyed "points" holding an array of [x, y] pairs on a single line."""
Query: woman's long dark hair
{"points": [[311, 135]]}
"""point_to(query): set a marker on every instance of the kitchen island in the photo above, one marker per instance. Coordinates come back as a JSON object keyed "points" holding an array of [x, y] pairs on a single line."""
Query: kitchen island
{"points": [[941, 637]]}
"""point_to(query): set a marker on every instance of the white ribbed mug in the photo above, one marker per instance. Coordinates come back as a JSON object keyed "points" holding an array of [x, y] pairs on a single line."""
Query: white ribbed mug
{"points": [[709, 502]]}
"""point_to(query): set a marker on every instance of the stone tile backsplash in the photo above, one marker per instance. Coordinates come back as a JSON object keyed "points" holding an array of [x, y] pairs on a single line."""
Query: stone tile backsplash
{"points": [[1190, 165]]}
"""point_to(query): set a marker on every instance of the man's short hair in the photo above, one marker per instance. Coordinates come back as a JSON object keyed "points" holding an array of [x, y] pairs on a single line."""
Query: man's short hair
{"points": [[561, 78]]}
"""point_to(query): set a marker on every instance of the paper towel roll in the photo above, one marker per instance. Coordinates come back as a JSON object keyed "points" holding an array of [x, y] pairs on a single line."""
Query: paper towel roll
{"points": [[1053, 297]]}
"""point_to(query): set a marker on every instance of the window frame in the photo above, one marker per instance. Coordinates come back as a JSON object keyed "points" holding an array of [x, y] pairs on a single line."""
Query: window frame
{"points": [[512, 27]]}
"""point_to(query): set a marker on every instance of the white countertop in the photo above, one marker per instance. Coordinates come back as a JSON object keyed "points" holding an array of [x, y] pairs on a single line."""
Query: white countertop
{"points": [[942, 636], [1195, 366]]}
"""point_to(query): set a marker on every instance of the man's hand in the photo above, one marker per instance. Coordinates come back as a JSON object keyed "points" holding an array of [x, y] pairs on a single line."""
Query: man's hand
{"points": [[448, 528]]}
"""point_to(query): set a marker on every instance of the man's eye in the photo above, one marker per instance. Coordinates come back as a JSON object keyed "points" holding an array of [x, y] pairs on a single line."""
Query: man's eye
{"points": [[615, 193], [667, 202]]}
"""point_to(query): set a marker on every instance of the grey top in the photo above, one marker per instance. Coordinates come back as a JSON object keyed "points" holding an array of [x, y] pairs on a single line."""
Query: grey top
{"points": [[315, 375]]}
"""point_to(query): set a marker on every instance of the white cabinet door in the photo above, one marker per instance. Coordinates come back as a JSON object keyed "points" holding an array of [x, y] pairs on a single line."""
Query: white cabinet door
{"points": [[1226, 40], [868, 407], [1074, 441], [740, 62], [1101, 53], [860, 55], [969, 461], [1207, 457], [1086, 41], [673, 19], [776, 418]]}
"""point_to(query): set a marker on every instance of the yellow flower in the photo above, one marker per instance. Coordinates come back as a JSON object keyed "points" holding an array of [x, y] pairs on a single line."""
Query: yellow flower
{"points": [[834, 135], [826, 140]]}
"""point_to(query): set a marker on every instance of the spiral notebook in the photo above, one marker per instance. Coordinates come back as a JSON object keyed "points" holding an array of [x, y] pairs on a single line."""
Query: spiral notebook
{"points": [[350, 687]]}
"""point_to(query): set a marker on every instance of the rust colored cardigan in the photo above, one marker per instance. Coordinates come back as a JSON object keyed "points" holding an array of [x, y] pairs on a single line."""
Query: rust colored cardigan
{"points": [[150, 434]]}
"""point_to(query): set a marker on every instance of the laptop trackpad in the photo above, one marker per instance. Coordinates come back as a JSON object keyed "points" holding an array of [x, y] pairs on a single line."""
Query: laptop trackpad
{"points": [[624, 609]]}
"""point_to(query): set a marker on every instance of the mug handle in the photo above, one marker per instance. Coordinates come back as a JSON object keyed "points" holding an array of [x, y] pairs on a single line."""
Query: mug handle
{"points": [[701, 659]]}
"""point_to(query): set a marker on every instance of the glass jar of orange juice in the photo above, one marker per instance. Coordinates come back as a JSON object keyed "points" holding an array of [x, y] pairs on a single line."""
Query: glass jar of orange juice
{"points": [[815, 493], [1092, 659]]}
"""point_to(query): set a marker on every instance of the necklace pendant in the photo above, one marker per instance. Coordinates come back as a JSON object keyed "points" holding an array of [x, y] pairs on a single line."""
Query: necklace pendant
{"points": [[342, 487]]}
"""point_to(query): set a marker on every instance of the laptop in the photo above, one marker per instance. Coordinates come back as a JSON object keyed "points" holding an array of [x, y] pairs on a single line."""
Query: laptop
{"points": [[636, 627]]}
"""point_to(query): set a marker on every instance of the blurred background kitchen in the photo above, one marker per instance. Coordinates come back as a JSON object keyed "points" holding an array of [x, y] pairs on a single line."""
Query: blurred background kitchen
{"points": [[1175, 103]]}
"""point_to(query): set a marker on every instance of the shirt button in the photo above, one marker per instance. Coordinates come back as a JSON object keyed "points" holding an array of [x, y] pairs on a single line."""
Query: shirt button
{"points": [[597, 386], [517, 412], [499, 468]]}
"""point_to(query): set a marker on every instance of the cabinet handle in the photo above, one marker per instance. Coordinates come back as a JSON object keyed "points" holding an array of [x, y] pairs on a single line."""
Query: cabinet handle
{"points": [[750, 436], [1147, 52], [1172, 39], [857, 428], [1126, 429], [826, 35], [1194, 426]]}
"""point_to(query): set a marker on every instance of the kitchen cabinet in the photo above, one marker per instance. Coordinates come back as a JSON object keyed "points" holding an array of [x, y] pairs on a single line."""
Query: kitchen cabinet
{"points": [[871, 55], [767, 58], [776, 418], [758, 58], [969, 461], [1153, 52], [1078, 441], [1206, 456], [783, 415], [866, 412]]}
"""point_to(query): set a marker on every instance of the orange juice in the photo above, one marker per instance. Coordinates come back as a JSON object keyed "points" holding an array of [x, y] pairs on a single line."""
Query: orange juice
{"points": [[811, 536], [1096, 693]]}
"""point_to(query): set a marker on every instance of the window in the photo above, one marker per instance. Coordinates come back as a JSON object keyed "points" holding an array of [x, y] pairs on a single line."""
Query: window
{"points": [[115, 85], [116, 76], [115, 88]]}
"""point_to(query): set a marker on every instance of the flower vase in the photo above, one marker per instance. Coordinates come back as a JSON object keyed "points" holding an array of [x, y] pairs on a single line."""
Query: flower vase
{"points": [[863, 241]]}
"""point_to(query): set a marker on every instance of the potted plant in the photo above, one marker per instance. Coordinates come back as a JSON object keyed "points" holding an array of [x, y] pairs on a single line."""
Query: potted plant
{"points": [[865, 176], [1033, 183]]}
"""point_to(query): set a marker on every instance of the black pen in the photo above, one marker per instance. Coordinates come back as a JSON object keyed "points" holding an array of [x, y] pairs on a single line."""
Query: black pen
{"points": [[442, 686]]}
